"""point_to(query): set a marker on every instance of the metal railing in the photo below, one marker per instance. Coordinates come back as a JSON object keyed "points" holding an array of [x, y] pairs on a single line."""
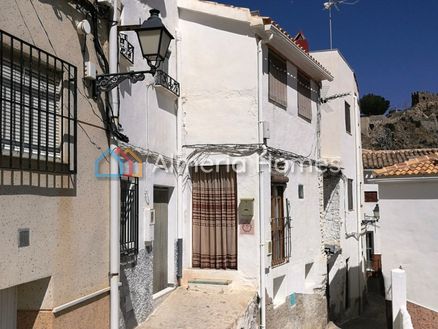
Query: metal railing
{"points": [[129, 216], [281, 240], [38, 109], [166, 81]]}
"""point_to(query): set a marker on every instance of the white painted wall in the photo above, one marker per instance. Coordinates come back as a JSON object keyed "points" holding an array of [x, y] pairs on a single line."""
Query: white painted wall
{"points": [[292, 133], [219, 79], [409, 228], [220, 107], [338, 145], [149, 118]]}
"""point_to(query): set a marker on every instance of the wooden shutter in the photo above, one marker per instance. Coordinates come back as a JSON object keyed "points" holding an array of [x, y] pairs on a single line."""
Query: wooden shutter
{"points": [[277, 80], [304, 97], [30, 111], [371, 196], [347, 118]]}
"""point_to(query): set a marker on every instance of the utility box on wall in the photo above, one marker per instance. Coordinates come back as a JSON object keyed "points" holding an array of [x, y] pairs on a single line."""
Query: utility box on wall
{"points": [[246, 208], [149, 226]]}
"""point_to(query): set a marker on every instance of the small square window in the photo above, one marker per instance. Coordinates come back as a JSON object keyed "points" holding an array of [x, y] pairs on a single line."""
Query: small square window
{"points": [[23, 238], [301, 191]]}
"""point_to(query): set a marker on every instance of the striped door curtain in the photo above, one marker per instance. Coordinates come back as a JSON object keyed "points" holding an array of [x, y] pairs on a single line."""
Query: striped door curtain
{"points": [[214, 216]]}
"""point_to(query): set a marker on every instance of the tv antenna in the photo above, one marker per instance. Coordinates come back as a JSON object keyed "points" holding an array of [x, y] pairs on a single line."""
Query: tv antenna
{"points": [[329, 6]]}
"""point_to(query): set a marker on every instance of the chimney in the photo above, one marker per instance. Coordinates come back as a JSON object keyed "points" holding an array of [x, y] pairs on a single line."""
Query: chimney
{"points": [[301, 41]]}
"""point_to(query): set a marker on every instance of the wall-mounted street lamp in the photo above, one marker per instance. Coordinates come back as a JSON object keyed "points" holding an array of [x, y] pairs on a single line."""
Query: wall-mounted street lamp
{"points": [[154, 39], [374, 218]]}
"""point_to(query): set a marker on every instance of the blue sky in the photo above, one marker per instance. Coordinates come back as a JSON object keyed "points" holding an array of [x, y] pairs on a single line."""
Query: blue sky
{"points": [[391, 45]]}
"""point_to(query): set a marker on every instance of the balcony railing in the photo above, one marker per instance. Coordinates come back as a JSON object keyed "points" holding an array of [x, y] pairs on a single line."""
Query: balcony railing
{"points": [[166, 81]]}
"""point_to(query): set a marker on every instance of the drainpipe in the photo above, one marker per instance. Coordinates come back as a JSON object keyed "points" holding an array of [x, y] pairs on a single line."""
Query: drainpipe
{"points": [[262, 284], [114, 186], [179, 142], [358, 195]]}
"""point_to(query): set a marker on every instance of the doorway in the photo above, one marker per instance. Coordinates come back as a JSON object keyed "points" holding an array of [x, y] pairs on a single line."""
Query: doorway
{"points": [[8, 308], [214, 217], [160, 247]]}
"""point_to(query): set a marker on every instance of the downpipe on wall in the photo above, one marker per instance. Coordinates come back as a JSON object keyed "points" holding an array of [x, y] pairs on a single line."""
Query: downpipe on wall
{"points": [[114, 186], [179, 143], [359, 176], [262, 285]]}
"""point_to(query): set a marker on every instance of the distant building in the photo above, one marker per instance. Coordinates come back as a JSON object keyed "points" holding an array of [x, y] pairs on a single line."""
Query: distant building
{"points": [[423, 97], [373, 160], [408, 198]]}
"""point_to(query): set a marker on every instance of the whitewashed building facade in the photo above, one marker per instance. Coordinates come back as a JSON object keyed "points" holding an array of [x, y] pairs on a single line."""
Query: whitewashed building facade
{"points": [[342, 214], [250, 96]]}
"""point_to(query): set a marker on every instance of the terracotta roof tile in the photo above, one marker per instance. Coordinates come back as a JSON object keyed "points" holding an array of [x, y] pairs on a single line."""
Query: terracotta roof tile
{"points": [[426, 165], [383, 158]]}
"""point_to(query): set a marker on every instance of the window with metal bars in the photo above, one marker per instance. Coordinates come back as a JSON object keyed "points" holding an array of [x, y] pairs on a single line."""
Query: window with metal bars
{"points": [[128, 216], [38, 109], [280, 227]]}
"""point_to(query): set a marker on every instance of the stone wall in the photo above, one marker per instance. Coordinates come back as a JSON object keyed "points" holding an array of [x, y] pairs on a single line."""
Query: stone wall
{"points": [[331, 213], [309, 312], [423, 97], [136, 290]]}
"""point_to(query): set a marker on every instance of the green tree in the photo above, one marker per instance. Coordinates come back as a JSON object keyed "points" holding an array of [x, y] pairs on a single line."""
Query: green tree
{"points": [[371, 104]]}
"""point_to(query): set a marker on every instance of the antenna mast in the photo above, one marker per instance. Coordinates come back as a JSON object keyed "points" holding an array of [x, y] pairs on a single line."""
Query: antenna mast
{"points": [[334, 3]]}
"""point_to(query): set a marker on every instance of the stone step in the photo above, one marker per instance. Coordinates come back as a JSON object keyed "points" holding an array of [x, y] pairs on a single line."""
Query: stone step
{"points": [[209, 284]]}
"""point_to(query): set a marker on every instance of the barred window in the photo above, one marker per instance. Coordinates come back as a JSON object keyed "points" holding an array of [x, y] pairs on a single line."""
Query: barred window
{"points": [[277, 80], [304, 97], [37, 109]]}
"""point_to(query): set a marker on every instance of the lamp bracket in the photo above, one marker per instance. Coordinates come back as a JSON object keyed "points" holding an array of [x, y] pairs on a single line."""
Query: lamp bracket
{"points": [[106, 82]]}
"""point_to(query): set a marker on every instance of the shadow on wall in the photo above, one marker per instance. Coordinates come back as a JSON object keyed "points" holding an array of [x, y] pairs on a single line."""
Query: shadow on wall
{"points": [[308, 311], [343, 293], [72, 11], [30, 297], [14, 182], [156, 4]]}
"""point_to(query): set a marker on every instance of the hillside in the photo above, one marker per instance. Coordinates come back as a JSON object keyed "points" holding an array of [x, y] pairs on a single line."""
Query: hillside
{"points": [[416, 127]]}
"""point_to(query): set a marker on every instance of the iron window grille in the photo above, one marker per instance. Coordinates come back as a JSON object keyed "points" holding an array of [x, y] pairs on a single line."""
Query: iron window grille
{"points": [[280, 226], [38, 109], [281, 240], [129, 216]]}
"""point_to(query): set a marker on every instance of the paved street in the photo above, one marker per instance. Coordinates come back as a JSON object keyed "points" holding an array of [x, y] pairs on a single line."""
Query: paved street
{"points": [[200, 309], [373, 316]]}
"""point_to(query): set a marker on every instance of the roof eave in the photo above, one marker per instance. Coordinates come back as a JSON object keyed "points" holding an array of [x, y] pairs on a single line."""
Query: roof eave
{"points": [[402, 179], [300, 58]]}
